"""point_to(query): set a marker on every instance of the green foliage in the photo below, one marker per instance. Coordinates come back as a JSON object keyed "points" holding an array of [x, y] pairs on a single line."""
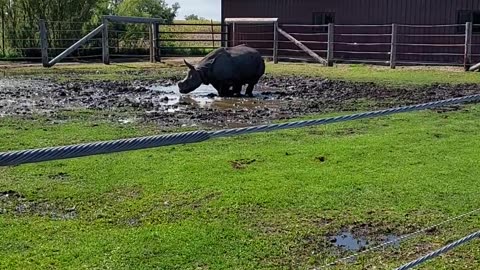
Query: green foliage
{"points": [[147, 8], [193, 17], [20, 18], [68, 20], [198, 42]]}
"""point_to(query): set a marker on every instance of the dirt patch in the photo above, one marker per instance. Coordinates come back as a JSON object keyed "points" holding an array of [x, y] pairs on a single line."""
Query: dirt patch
{"points": [[275, 98], [339, 242], [358, 237], [348, 241], [446, 109], [121, 194], [12, 202], [187, 202], [10, 195], [242, 163], [59, 176]]}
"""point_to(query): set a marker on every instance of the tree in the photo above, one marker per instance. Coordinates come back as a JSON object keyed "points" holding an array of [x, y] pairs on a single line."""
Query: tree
{"points": [[69, 20], [21, 21], [192, 17], [134, 35], [148, 8]]}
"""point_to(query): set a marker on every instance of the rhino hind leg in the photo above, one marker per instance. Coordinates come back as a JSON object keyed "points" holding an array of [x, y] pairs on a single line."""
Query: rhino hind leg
{"points": [[237, 89]]}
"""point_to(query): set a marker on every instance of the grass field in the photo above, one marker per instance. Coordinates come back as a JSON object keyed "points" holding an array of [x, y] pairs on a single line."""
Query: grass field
{"points": [[402, 76], [264, 201]]}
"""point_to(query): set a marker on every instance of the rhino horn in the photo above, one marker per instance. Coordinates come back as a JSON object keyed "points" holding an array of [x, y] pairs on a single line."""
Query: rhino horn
{"points": [[190, 66]]}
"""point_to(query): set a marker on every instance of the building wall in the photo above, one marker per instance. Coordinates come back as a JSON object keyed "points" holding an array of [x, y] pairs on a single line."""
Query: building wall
{"points": [[365, 12], [353, 11]]}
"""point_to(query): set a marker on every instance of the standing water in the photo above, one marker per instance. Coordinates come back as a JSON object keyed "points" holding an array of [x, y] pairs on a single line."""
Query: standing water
{"points": [[207, 97]]}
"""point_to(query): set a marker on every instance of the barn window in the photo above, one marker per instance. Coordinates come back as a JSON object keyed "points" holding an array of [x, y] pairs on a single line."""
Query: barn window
{"points": [[323, 18], [464, 16]]}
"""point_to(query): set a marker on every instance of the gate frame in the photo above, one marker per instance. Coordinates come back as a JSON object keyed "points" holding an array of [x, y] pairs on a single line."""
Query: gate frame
{"points": [[267, 21], [103, 28]]}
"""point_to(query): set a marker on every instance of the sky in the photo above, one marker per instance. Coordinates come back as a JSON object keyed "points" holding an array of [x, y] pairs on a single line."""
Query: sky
{"points": [[209, 9]]}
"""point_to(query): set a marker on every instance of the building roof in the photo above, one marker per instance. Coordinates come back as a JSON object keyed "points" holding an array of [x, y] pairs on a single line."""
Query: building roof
{"points": [[251, 20]]}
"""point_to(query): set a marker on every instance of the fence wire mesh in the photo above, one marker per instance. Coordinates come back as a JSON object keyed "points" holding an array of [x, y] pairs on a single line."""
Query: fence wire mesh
{"points": [[415, 44]]}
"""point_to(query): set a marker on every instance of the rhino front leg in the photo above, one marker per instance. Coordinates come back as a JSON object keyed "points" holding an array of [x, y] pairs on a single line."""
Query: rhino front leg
{"points": [[249, 91], [224, 90]]}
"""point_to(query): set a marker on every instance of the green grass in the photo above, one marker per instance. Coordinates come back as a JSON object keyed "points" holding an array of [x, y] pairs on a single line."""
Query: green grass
{"points": [[199, 206], [402, 76], [407, 76], [264, 201], [89, 72]]}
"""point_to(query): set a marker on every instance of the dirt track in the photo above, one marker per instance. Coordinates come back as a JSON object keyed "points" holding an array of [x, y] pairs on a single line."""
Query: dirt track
{"points": [[276, 98]]}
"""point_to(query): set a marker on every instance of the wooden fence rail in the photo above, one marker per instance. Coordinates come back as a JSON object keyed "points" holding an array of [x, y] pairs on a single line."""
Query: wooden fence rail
{"points": [[392, 45]]}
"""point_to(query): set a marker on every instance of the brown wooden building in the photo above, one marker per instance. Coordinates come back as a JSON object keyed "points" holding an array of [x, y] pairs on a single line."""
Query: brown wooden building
{"points": [[443, 43]]}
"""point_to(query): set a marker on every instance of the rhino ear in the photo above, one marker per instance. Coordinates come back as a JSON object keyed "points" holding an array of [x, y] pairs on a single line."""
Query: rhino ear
{"points": [[190, 66]]}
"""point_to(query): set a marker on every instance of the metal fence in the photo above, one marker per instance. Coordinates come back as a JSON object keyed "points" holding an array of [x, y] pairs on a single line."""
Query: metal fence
{"points": [[450, 45], [393, 44], [180, 39], [190, 39], [60, 35], [125, 41]]}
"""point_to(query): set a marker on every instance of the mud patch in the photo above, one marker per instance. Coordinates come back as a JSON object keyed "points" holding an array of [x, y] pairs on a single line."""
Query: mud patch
{"points": [[348, 241], [360, 236], [446, 109], [12, 202], [242, 163], [59, 176], [122, 194], [10, 195], [276, 98]]}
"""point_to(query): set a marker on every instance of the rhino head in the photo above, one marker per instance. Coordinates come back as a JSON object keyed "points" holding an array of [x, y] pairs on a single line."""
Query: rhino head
{"points": [[192, 81]]}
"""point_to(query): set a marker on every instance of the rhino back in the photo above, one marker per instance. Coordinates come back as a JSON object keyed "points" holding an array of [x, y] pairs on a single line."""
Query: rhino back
{"points": [[238, 64]]}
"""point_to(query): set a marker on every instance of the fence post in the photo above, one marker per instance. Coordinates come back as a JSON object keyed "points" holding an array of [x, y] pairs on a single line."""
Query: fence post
{"points": [[468, 46], [393, 47], [3, 32], [234, 32], [330, 46], [213, 34], [222, 36], [43, 42], [105, 47], [227, 35], [155, 42], [275, 42], [159, 42], [150, 43]]}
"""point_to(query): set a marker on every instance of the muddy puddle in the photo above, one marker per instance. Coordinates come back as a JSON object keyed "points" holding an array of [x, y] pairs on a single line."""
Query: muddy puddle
{"points": [[350, 242], [205, 97], [160, 102]]}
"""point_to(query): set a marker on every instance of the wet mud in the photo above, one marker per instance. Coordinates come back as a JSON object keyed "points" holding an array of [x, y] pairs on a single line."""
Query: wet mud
{"points": [[160, 102], [15, 203]]}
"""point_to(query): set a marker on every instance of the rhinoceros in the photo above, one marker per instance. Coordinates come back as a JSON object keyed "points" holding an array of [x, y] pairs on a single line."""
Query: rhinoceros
{"points": [[226, 68]]}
